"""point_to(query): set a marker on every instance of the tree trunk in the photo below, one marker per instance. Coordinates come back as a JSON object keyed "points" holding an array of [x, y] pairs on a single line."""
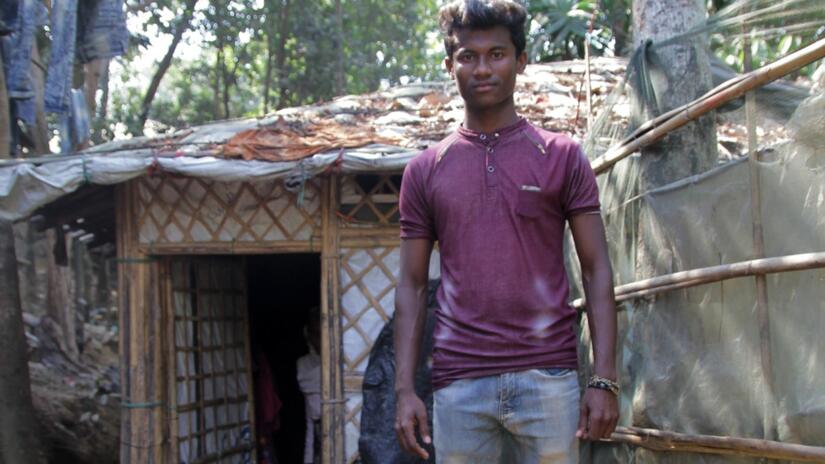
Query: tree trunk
{"points": [[226, 84], [618, 22], [166, 62], [283, 85], [268, 73], [340, 78], [92, 72], [40, 131], [59, 306], [103, 112], [5, 123], [18, 427], [684, 75]]}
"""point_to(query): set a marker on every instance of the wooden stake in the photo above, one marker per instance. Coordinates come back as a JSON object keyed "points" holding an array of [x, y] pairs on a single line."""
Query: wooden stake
{"points": [[730, 90], [670, 441]]}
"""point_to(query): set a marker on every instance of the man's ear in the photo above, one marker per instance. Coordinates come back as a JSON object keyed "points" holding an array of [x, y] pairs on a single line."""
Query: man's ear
{"points": [[521, 62], [448, 64]]}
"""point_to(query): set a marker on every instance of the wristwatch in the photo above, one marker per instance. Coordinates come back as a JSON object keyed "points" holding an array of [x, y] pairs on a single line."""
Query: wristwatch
{"points": [[603, 384]]}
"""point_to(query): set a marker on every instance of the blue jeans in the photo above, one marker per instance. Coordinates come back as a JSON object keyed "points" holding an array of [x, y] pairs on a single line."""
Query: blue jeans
{"points": [[59, 74], [513, 418], [101, 30]]}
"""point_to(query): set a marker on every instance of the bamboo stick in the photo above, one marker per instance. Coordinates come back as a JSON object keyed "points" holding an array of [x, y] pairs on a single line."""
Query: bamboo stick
{"points": [[587, 79], [172, 454], [250, 381], [762, 309], [711, 274], [671, 441], [231, 248], [122, 213], [720, 95], [332, 382]]}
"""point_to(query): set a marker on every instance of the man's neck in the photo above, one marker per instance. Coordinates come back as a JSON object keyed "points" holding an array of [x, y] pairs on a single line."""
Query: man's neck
{"points": [[490, 119]]}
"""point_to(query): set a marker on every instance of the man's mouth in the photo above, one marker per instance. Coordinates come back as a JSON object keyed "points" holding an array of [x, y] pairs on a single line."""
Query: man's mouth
{"points": [[485, 87]]}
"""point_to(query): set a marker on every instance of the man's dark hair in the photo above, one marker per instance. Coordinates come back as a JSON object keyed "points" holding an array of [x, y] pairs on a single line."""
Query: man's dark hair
{"points": [[482, 14]]}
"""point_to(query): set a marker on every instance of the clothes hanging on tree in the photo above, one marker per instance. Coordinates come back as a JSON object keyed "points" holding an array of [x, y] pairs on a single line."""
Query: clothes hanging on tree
{"points": [[61, 61], [101, 30]]}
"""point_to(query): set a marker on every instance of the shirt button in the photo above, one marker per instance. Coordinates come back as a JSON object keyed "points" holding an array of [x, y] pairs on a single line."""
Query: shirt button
{"points": [[483, 137], [491, 169], [489, 149], [495, 135]]}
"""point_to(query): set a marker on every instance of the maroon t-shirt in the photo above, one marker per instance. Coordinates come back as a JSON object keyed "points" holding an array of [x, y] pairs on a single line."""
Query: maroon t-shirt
{"points": [[497, 205]]}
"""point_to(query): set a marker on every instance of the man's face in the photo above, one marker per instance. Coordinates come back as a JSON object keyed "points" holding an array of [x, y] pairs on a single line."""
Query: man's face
{"points": [[484, 65]]}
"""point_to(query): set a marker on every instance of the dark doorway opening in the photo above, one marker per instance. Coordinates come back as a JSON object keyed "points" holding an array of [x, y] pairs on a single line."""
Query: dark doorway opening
{"points": [[283, 291]]}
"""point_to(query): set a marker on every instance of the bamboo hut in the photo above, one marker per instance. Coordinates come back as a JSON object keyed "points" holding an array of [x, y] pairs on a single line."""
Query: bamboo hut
{"points": [[217, 225]]}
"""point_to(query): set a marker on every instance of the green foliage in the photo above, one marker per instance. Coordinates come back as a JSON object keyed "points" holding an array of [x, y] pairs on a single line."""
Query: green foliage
{"points": [[254, 56], [267, 54], [771, 28], [559, 28]]}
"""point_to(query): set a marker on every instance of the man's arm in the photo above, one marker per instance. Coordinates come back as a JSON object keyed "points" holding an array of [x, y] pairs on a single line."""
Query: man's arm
{"points": [[410, 316], [599, 408]]}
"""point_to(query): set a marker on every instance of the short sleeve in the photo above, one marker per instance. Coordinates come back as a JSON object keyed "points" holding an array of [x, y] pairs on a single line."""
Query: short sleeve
{"points": [[414, 209], [582, 193]]}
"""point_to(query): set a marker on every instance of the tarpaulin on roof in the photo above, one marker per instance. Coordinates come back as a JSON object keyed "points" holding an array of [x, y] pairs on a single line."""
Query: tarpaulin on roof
{"points": [[25, 186], [283, 141]]}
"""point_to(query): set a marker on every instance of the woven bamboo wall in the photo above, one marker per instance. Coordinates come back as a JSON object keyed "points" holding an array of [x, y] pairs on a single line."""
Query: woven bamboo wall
{"points": [[177, 212], [368, 280], [368, 218]]}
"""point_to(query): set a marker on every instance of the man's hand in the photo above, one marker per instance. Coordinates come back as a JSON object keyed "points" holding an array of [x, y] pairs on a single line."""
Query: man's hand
{"points": [[599, 414], [409, 412]]}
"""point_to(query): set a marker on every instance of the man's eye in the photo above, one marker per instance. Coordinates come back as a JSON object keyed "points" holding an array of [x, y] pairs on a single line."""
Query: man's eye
{"points": [[465, 58], [498, 55]]}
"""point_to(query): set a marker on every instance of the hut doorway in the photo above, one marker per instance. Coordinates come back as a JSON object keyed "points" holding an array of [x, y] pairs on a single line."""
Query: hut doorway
{"points": [[284, 301], [238, 326]]}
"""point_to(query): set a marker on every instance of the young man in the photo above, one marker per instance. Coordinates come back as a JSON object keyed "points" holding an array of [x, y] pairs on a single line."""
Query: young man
{"points": [[495, 195]]}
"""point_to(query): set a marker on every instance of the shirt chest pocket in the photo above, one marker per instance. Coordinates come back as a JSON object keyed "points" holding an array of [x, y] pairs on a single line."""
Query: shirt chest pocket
{"points": [[529, 202]]}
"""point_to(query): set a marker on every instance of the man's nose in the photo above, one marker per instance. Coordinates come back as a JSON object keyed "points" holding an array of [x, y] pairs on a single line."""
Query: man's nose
{"points": [[482, 68]]}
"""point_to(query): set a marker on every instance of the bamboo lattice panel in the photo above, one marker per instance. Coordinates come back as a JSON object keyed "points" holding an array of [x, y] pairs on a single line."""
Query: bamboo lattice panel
{"points": [[368, 279], [352, 425], [184, 210], [211, 367], [369, 199]]}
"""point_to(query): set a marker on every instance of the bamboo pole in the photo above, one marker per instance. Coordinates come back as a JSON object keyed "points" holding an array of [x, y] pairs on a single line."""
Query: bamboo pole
{"points": [[711, 274], [587, 79], [661, 440], [762, 309], [173, 421], [332, 382], [727, 91]]}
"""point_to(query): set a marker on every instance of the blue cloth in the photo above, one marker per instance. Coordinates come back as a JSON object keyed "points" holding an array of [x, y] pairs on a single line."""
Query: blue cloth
{"points": [[102, 32], [8, 16], [59, 76], [18, 50], [79, 117], [528, 417], [74, 125]]}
